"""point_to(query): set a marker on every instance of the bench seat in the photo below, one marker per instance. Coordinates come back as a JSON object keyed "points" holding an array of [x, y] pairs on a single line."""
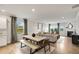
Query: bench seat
{"points": [[29, 44]]}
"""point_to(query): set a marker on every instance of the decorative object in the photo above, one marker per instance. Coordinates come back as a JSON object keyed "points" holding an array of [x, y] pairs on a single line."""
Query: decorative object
{"points": [[33, 35], [70, 26]]}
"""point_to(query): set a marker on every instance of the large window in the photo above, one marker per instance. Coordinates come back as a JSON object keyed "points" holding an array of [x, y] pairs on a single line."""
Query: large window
{"points": [[19, 28], [53, 27]]}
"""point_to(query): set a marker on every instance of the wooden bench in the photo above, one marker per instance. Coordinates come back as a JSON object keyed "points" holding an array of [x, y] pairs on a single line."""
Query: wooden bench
{"points": [[29, 44]]}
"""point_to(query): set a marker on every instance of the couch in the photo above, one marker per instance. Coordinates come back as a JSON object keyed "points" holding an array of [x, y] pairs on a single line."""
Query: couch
{"points": [[52, 37]]}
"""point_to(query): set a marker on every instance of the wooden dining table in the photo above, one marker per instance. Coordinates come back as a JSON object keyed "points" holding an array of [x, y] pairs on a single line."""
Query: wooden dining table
{"points": [[35, 40]]}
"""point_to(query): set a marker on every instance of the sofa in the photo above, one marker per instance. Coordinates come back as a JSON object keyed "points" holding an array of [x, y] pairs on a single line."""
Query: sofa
{"points": [[52, 37]]}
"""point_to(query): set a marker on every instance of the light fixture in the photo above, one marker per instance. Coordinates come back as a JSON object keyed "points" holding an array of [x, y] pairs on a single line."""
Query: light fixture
{"points": [[3, 10], [33, 9], [63, 17]]}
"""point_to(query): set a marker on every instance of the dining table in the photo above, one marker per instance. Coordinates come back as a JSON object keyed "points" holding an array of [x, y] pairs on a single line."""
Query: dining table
{"points": [[37, 40]]}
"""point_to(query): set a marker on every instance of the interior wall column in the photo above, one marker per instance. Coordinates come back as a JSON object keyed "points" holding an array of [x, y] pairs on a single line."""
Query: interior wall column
{"points": [[25, 26], [49, 28], [58, 24]]}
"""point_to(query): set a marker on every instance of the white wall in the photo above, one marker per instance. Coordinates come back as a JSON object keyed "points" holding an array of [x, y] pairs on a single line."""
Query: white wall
{"points": [[76, 22], [65, 24], [33, 27], [9, 29], [45, 27], [3, 30]]}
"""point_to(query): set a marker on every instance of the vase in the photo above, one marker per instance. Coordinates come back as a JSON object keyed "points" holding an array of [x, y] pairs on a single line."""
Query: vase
{"points": [[33, 35]]}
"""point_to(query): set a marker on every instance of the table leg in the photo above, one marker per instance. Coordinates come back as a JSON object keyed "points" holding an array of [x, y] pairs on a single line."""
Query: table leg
{"points": [[21, 45], [30, 50], [44, 50], [49, 47]]}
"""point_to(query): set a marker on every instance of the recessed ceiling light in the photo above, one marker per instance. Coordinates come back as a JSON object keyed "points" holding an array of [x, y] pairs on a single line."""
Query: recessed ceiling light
{"points": [[33, 9], [63, 17], [3, 10]]}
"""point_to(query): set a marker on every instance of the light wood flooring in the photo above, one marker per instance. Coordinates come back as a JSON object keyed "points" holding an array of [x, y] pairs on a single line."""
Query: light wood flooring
{"points": [[62, 46]]}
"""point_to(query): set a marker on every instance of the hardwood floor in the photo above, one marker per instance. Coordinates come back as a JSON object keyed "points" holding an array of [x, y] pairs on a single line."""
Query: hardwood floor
{"points": [[62, 46]]}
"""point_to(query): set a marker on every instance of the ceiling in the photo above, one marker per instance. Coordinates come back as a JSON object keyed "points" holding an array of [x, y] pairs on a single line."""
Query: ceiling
{"points": [[42, 11]]}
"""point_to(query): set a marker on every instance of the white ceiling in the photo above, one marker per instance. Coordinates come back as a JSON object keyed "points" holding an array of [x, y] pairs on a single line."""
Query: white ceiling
{"points": [[42, 11]]}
